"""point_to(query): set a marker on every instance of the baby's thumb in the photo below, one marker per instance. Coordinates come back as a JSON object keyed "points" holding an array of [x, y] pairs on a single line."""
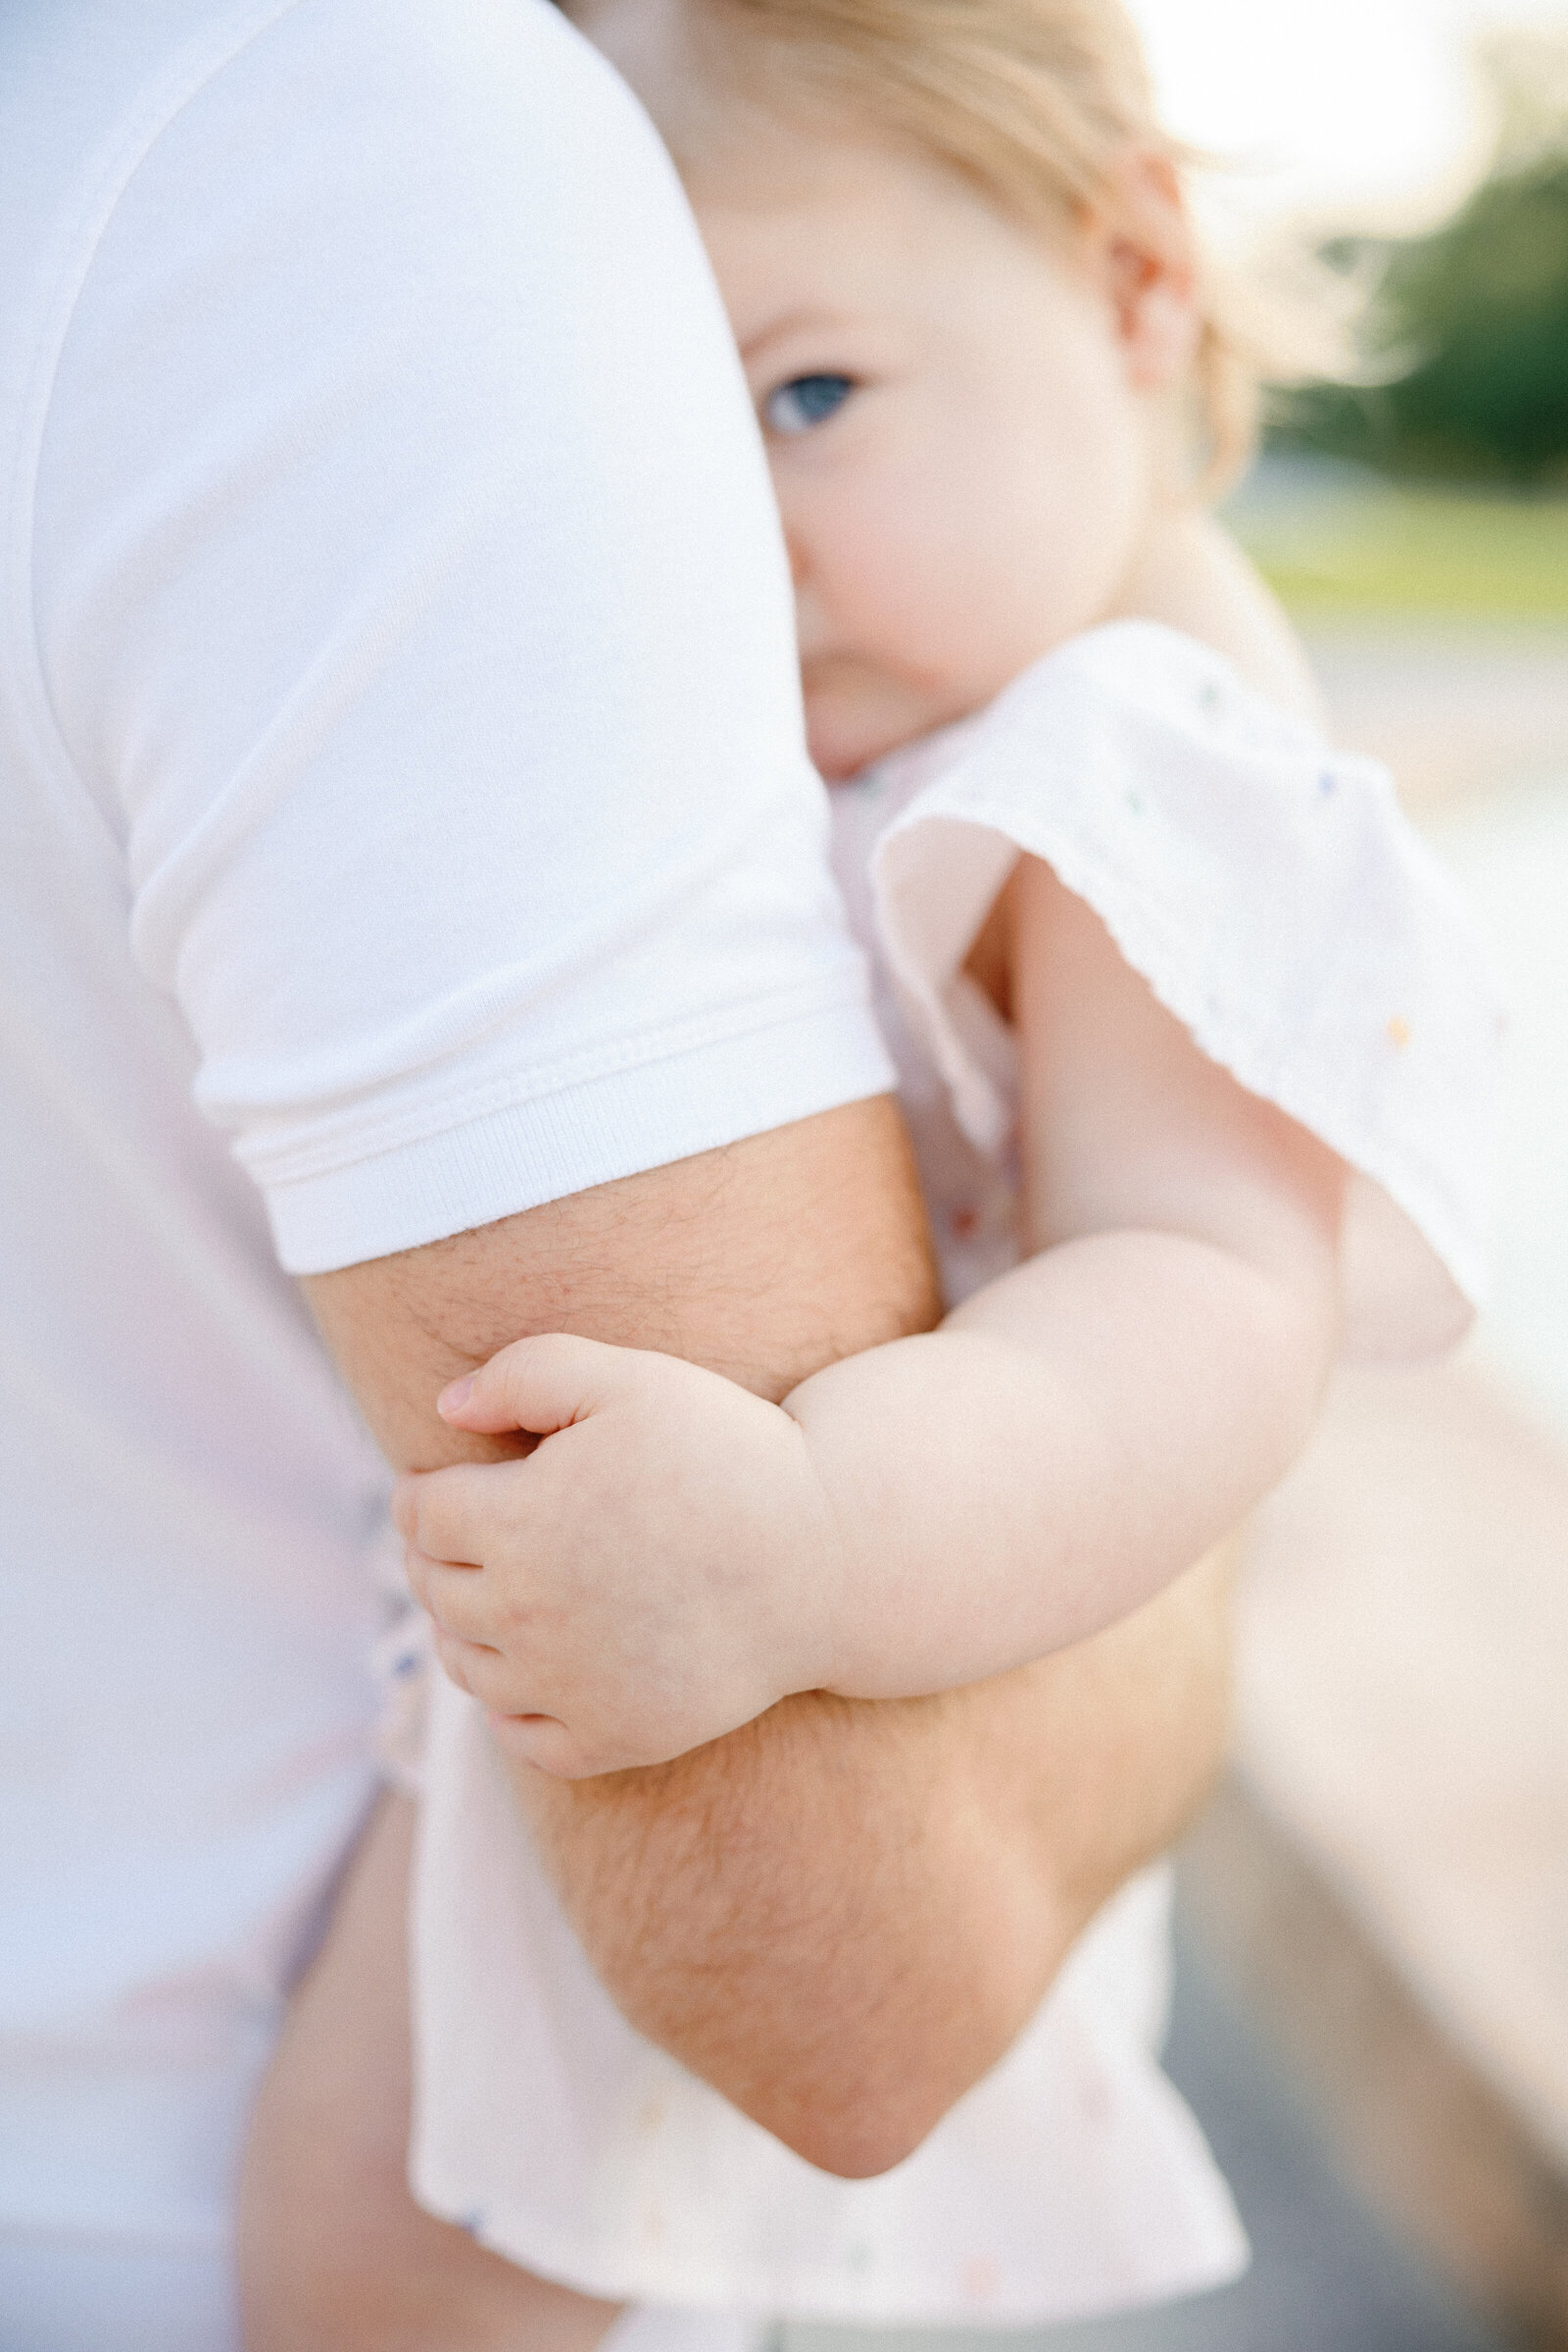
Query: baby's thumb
{"points": [[541, 1385]]}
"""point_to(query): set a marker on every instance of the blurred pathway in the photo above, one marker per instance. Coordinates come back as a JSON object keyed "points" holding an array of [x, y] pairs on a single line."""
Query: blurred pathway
{"points": [[1474, 722], [1390, 1878], [1508, 851]]}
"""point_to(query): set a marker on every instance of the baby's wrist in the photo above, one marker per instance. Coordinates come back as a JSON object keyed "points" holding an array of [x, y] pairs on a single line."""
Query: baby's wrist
{"points": [[832, 1641]]}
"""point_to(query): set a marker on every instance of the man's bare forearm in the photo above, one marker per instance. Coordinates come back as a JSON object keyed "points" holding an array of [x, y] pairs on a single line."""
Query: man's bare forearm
{"points": [[842, 1915], [765, 1261]]}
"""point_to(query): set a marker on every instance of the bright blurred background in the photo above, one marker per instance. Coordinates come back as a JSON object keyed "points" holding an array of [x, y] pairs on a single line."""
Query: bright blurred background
{"points": [[1413, 155], [1377, 1908], [1371, 2016]]}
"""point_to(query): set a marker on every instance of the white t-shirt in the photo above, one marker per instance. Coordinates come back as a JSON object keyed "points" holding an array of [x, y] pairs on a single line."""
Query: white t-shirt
{"points": [[405, 820]]}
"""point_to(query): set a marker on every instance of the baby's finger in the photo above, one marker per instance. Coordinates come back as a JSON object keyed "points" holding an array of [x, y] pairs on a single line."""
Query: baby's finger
{"points": [[452, 1596], [405, 1503], [483, 1673], [458, 1514], [553, 1746], [541, 1384], [450, 1658], [544, 1741]]}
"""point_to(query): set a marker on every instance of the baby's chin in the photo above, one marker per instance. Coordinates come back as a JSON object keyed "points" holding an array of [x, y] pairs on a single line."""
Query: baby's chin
{"points": [[851, 724]]}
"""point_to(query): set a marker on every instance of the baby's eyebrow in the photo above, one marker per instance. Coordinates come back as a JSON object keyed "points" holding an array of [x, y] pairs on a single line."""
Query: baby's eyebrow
{"points": [[809, 320]]}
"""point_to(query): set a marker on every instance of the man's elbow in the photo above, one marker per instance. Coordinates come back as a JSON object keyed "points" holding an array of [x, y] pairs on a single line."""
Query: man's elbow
{"points": [[886, 2123], [864, 2099], [860, 2147], [1004, 1909], [842, 1917]]}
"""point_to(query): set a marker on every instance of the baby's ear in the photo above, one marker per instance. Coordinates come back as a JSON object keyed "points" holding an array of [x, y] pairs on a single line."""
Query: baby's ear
{"points": [[1148, 256]]}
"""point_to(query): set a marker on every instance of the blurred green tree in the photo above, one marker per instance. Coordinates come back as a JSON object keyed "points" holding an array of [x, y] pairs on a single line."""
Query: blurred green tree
{"points": [[1466, 329]]}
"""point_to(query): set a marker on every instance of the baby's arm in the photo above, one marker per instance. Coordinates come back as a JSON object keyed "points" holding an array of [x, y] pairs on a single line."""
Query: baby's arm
{"points": [[1080, 1429], [932, 1512], [679, 1554]]}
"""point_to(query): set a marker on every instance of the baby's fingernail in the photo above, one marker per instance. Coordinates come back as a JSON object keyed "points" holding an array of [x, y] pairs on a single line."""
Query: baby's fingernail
{"points": [[454, 1396]]}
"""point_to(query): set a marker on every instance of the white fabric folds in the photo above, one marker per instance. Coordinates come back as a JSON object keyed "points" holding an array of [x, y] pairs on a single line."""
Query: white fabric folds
{"points": [[1073, 2180]]}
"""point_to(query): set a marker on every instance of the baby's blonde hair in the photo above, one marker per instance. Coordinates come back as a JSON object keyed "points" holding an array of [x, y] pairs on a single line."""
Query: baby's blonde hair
{"points": [[1034, 101]]}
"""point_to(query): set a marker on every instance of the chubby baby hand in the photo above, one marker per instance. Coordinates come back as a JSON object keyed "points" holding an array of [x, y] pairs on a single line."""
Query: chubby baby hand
{"points": [[660, 1569]]}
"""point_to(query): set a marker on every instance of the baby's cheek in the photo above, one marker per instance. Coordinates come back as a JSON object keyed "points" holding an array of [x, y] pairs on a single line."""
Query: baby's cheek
{"points": [[917, 595], [959, 596], [913, 619], [885, 584]]}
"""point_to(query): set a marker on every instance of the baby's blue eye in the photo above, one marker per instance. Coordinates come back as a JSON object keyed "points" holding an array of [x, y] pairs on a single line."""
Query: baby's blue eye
{"points": [[806, 401]]}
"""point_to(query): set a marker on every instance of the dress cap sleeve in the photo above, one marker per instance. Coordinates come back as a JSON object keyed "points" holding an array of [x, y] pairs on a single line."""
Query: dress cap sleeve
{"points": [[1276, 900]]}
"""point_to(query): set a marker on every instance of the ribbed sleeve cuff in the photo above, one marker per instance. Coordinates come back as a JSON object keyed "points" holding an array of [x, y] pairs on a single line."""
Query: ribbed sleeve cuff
{"points": [[613, 1124]]}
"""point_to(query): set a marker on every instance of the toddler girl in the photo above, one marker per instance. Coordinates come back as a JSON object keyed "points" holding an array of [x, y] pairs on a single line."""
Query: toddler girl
{"points": [[1152, 956], [1191, 1041]]}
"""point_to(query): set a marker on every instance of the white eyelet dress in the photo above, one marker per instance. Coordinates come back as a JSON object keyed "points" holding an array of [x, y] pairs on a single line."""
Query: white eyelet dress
{"points": [[1276, 901]]}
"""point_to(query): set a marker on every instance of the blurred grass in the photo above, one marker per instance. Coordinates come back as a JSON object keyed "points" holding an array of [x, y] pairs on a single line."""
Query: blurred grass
{"points": [[1408, 551]]}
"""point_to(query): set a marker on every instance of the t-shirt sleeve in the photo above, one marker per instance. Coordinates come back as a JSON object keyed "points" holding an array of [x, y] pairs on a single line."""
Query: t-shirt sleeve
{"points": [[413, 610]]}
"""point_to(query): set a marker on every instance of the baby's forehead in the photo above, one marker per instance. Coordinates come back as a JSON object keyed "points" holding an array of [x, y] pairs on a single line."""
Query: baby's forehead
{"points": [[783, 170], [832, 219]]}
